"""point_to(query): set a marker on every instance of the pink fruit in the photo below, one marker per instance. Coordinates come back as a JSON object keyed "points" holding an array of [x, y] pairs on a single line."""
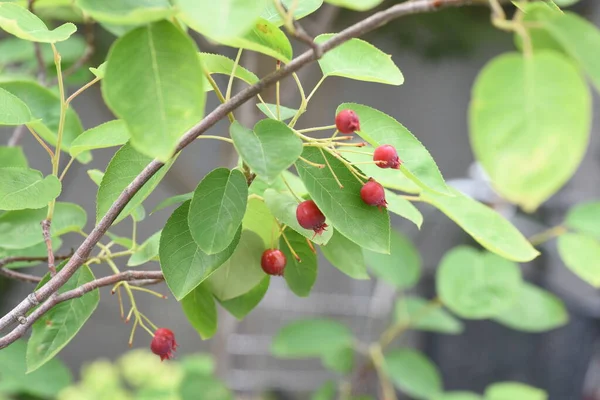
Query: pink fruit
{"points": [[373, 194], [347, 121], [273, 262], [310, 217], [163, 344], [387, 157]]}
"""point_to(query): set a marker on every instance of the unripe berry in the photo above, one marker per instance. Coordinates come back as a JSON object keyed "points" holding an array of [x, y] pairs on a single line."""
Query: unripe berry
{"points": [[310, 217], [387, 157], [273, 262], [347, 121], [163, 343], [373, 194]]}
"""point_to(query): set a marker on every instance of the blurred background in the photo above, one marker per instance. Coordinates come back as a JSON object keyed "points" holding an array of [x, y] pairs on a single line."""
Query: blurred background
{"points": [[440, 55]]}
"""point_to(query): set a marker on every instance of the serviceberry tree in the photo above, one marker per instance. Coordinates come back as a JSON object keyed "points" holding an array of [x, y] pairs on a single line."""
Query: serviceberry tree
{"points": [[291, 192]]}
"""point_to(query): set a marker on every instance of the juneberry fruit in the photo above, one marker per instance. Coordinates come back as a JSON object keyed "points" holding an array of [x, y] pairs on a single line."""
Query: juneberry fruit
{"points": [[310, 217], [372, 194], [163, 344], [387, 157], [347, 121], [273, 262]]}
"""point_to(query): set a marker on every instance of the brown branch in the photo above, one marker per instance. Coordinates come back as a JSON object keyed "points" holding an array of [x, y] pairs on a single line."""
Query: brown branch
{"points": [[9, 273], [48, 240], [81, 254], [300, 33]]}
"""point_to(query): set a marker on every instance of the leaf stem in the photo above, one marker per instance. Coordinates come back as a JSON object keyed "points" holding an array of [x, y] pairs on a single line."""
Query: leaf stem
{"points": [[317, 128], [66, 169], [81, 90], [289, 245], [221, 138], [311, 163], [387, 389], [266, 107], [315, 88], [233, 69], [546, 235], [218, 92], [290, 189], [41, 142]]}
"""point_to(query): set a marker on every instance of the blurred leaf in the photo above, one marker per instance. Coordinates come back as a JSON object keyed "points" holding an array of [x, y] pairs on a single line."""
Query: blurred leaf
{"points": [[13, 157], [139, 213], [486, 226], [270, 110], [413, 373], [581, 253], [259, 220], [346, 256], [217, 209], [184, 265], [299, 275], [147, 251], [458, 396], [303, 8], [13, 111], [168, 97], [420, 314], [210, 387], [536, 310], [127, 12], [325, 392], [200, 309], [365, 225], [340, 360], [519, 136], [585, 218], [24, 24], [477, 285], [169, 201], [241, 306], [513, 391], [359, 60], [357, 5], [404, 208], [310, 338], [108, 134], [96, 176], [401, 268], [22, 188], [121, 241]]}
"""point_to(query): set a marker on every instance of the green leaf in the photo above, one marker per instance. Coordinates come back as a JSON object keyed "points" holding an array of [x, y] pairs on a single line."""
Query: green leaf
{"points": [[96, 176], [310, 338], [193, 383], [22, 188], [283, 207], [99, 71], [13, 111], [147, 251], [390, 178], [359, 60], [536, 310], [223, 19], [45, 109], [340, 360], [299, 275], [168, 96], [585, 218], [55, 329], [413, 373], [259, 220], [22, 23], [120, 240], [404, 208], [108, 134], [265, 38], [38, 250], [357, 5], [139, 213], [519, 136], [269, 149], [200, 309], [460, 395], [420, 314], [126, 12], [241, 306], [242, 272], [218, 64], [270, 110], [303, 8], [46, 382], [21, 229], [401, 268], [346, 256], [169, 201], [365, 225], [184, 265], [217, 209], [122, 169], [12, 157], [485, 225], [325, 392], [581, 253], [477, 285], [513, 391], [378, 128]]}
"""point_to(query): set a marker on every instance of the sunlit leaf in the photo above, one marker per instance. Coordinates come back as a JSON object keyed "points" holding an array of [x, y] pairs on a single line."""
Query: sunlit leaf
{"points": [[22, 23]]}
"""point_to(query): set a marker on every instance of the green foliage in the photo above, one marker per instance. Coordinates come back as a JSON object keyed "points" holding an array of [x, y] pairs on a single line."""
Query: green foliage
{"points": [[513, 390], [12, 157], [147, 251], [301, 274], [200, 309], [270, 110], [581, 253], [585, 218], [218, 64], [413, 373], [303, 8], [259, 220], [108, 134], [421, 315], [22, 188], [266, 38], [14, 111], [24, 24], [346, 256], [241, 306], [401, 268], [358, 5]]}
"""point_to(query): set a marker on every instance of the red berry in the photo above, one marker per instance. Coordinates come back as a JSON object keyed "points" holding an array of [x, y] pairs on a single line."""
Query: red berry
{"points": [[387, 156], [310, 217], [372, 194], [163, 344], [273, 262], [347, 121]]}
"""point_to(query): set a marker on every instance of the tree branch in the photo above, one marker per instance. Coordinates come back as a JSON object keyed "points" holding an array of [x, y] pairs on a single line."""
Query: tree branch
{"points": [[9, 273], [81, 254]]}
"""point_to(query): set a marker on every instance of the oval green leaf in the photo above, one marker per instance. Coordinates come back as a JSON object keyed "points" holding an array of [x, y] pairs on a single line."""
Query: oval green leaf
{"points": [[259, 220], [22, 23], [346, 256], [169, 201], [299, 275], [217, 209], [310, 338], [401, 268], [168, 96], [519, 136], [365, 225], [127, 12], [270, 110], [241, 306], [359, 60], [486, 226], [269, 149], [265, 38], [356, 5], [513, 391], [184, 265], [13, 111], [13, 157], [404, 208], [585, 218], [413, 373], [22, 188], [477, 285], [303, 8], [201, 311], [147, 251], [378, 128], [418, 313], [218, 64], [108, 134], [581, 253]]}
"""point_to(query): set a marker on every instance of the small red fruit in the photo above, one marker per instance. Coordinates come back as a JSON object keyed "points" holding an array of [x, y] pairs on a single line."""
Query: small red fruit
{"points": [[273, 262], [387, 157], [347, 121], [163, 344], [310, 217], [373, 194]]}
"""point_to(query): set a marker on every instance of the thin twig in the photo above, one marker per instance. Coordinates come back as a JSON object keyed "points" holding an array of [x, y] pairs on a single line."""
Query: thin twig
{"points": [[9, 273], [16, 136], [90, 49], [82, 253], [46, 224]]}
